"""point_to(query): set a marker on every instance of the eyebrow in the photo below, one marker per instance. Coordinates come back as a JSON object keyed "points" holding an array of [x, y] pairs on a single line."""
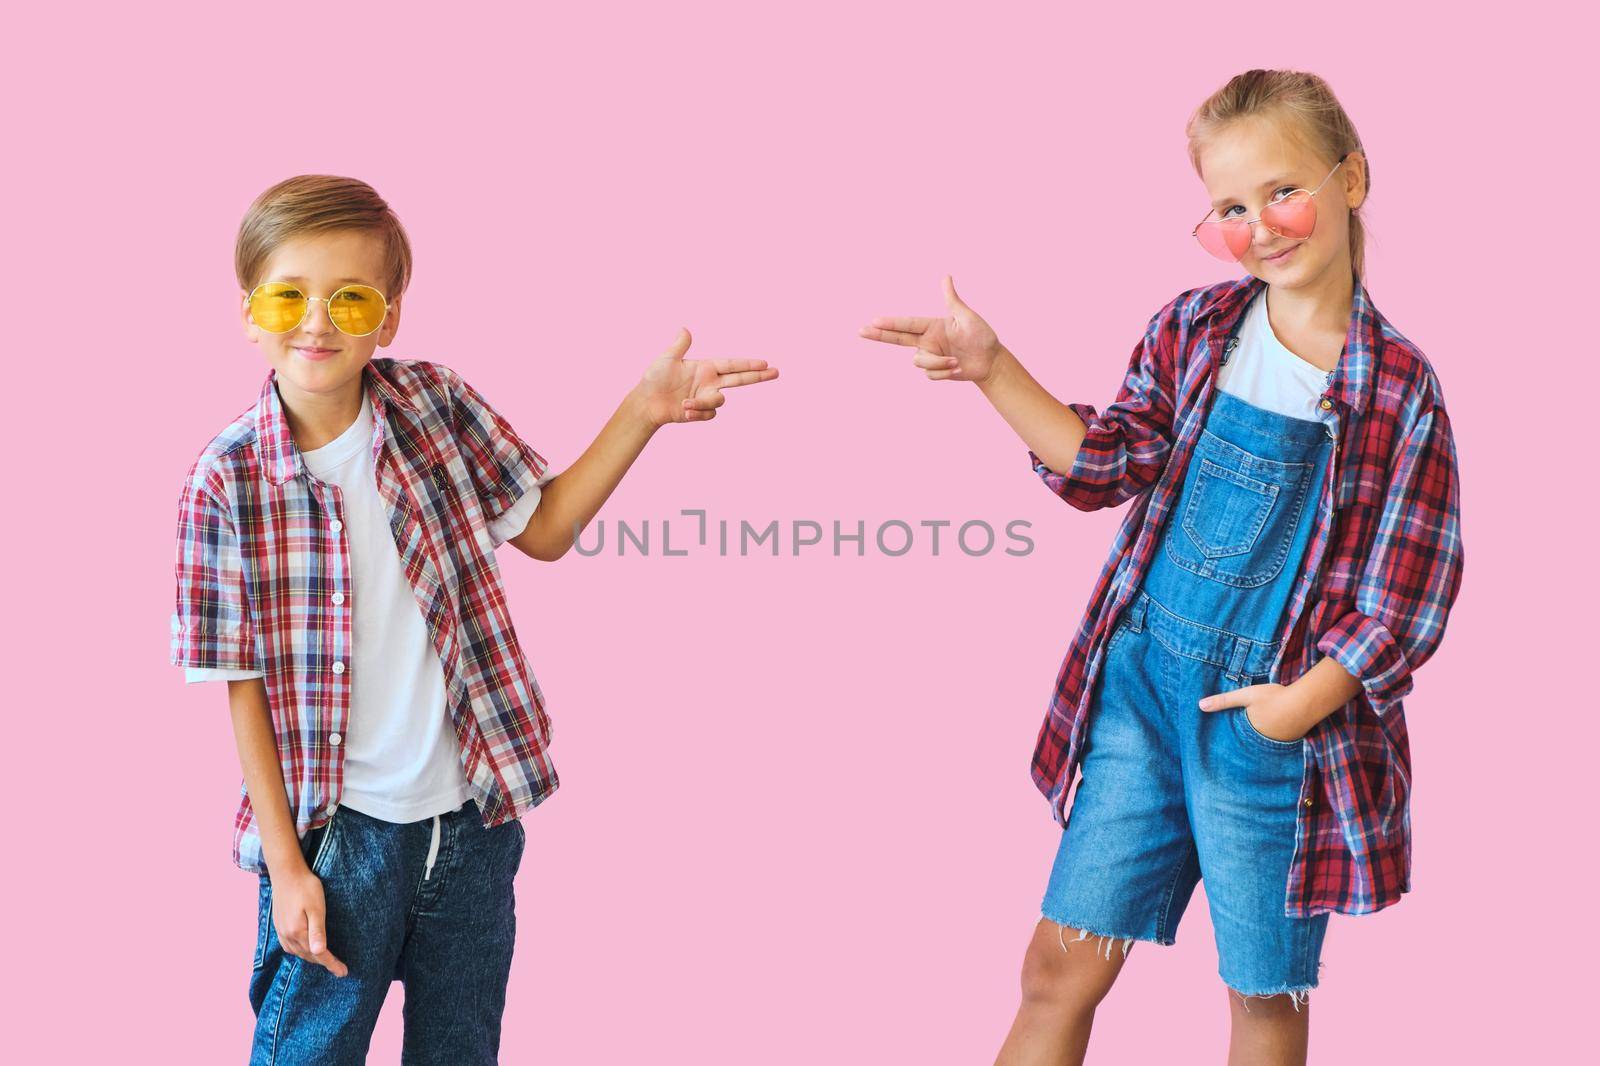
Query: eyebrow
{"points": [[1268, 184], [342, 281]]}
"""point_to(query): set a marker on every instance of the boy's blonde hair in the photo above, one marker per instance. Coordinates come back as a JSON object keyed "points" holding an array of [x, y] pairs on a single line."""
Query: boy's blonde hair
{"points": [[1302, 107], [320, 203]]}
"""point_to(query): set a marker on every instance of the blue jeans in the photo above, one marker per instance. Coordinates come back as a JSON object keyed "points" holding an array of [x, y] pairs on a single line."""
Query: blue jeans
{"points": [[436, 912], [1171, 793]]}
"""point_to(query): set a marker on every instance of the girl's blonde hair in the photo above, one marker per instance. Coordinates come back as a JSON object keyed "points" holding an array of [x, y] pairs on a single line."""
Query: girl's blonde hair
{"points": [[320, 203], [1301, 107]]}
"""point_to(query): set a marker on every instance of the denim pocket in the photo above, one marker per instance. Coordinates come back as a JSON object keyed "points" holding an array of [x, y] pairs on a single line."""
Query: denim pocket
{"points": [[1238, 514], [1227, 510], [1247, 729]]}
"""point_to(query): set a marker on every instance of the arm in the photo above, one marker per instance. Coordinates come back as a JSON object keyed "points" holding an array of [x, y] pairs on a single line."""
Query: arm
{"points": [[1108, 457], [504, 469], [572, 499], [1410, 581], [253, 735], [212, 633]]}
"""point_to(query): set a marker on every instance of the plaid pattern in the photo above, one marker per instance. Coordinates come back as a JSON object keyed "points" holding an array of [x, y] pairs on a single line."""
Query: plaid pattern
{"points": [[264, 583], [1381, 572]]}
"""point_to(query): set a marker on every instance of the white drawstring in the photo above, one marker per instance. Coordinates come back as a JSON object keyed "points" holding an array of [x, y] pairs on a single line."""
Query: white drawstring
{"points": [[433, 849]]}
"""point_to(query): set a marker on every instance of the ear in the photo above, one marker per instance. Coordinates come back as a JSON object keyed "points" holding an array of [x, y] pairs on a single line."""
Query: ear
{"points": [[391, 324], [1355, 180], [251, 332]]}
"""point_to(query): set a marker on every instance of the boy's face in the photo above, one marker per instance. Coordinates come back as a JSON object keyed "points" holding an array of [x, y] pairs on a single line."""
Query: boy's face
{"points": [[1253, 162], [315, 357]]}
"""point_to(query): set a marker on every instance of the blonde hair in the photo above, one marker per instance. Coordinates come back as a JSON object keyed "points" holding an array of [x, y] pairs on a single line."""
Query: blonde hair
{"points": [[1303, 108], [320, 203]]}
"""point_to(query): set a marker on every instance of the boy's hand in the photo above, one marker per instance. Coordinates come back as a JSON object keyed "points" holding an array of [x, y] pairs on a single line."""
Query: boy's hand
{"points": [[299, 912], [961, 347], [675, 389]]}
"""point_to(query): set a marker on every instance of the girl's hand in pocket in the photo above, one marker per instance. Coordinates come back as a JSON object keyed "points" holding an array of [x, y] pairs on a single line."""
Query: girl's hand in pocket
{"points": [[958, 347], [1273, 710]]}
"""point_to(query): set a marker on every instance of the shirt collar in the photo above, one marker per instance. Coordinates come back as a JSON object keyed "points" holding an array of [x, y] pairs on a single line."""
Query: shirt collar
{"points": [[280, 458], [1351, 380]]}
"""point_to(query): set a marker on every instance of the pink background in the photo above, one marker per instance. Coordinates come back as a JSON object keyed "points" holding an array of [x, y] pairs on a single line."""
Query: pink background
{"points": [[796, 824]]}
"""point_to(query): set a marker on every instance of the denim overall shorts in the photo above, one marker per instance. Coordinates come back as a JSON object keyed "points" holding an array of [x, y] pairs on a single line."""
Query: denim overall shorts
{"points": [[1171, 793]]}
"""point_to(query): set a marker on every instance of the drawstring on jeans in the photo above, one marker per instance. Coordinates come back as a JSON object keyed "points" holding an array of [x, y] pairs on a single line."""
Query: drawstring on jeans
{"points": [[433, 849]]}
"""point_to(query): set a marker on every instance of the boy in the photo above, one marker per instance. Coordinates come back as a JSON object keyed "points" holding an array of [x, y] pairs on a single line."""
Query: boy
{"points": [[335, 565]]}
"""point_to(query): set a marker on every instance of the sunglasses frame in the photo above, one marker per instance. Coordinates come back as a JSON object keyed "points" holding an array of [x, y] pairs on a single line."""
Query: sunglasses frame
{"points": [[1310, 195], [325, 299]]}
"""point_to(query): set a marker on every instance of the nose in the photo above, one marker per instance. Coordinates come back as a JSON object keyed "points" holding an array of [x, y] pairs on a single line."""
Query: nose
{"points": [[317, 325]]}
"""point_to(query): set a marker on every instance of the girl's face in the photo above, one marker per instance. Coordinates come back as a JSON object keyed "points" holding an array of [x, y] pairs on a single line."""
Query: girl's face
{"points": [[316, 358], [1252, 162]]}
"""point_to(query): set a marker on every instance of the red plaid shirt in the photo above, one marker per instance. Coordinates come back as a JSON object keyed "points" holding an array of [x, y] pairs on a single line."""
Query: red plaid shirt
{"points": [[264, 580], [1380, 574]]}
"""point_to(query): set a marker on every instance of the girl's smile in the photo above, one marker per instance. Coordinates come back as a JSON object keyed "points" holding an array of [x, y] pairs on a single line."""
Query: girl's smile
{"points": [[1281, 257]]}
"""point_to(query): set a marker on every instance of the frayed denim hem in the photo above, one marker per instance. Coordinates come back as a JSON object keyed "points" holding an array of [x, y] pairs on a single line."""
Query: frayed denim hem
{"points": [[1297, 994], [1107, 940]]}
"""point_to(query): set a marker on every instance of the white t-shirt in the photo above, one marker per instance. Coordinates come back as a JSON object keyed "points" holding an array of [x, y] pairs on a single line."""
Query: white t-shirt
{"points": [[1260, 370], [402, 762]]}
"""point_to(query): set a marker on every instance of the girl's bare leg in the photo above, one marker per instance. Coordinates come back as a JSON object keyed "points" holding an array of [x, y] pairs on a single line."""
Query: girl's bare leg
{"points": [[1063, 981], [1267, 1030]]}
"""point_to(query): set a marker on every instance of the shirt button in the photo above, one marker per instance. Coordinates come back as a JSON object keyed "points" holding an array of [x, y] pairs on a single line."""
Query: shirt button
{"points": [[338, 597], [335, 739], [1327, 404], [337, 525], [338, 668]]}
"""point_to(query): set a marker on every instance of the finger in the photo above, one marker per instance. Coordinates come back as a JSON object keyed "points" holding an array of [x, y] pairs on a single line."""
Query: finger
{"points": [[950, 298], [1221, 701], [331, 962], [889, 336], [903, 324], [748, 377], [680, 343], [697, 416], [316, 939], [704, 403], [934, 361], [735, 366], [943, 375]]}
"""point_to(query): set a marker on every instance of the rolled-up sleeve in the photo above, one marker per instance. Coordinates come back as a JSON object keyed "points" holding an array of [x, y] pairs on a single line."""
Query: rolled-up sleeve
{"points": [[1410, 581], [504, 467], [211, 624], [1125, 446]]}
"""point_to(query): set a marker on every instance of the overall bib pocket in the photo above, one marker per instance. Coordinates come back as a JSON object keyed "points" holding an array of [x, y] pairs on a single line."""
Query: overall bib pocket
{"points": [[1238, 514]]}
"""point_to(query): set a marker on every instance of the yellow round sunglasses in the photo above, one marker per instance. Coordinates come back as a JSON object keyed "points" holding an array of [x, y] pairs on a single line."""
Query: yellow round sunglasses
{"points": [[280, 306]]}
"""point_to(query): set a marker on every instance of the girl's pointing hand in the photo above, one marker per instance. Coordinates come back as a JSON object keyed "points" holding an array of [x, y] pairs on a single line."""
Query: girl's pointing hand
{"points": [[675, 389], [958, 347]]}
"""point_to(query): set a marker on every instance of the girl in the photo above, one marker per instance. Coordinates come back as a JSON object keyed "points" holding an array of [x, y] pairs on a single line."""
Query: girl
{"points": [[1290, 557]]}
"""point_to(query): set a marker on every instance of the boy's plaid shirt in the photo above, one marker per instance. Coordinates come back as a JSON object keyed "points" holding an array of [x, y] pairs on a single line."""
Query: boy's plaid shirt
{"points": [[264, 583], [1380, 574]]}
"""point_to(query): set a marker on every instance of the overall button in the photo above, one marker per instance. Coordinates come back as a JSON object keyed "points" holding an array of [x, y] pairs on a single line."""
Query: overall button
{"points": [[1327, 404]]}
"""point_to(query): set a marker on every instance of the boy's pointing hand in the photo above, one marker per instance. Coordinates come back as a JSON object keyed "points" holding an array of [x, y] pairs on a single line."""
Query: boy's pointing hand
{"points": [[675, 389]]}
